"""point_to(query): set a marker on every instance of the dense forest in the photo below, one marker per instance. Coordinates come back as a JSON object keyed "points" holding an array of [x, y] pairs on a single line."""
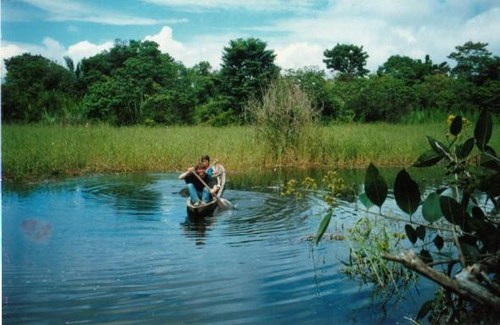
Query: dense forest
{"points": [[134, 83]]}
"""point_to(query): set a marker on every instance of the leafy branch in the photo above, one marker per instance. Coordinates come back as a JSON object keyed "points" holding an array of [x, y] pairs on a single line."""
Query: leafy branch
{"points": [[473, 226]]}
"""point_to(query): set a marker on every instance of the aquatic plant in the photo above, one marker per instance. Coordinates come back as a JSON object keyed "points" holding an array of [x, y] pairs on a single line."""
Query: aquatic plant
{"points": [[454, 238]]}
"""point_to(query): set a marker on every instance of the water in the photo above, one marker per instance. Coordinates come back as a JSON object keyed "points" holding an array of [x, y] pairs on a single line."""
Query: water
{"points": [[121, 249]]}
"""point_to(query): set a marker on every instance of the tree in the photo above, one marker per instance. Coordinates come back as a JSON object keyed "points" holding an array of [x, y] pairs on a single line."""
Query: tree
{"points": [[122, 79], [35, 87], [349, 60], [410, 70], [246, 70], [473, 62], [312, 81]]}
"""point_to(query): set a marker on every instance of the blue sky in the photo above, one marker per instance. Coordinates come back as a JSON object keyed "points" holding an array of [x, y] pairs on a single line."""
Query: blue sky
{"points": [[297, 30]]}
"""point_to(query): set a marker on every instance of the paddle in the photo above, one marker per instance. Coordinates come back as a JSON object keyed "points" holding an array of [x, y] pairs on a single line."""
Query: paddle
{"points": [[222, 203]]}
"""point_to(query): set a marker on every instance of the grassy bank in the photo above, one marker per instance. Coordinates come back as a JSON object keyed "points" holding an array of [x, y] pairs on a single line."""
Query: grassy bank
{"points": [[38, 151]]}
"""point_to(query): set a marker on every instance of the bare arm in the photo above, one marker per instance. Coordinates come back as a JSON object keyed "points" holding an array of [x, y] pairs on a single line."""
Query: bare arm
{"points": [[183, 175]]}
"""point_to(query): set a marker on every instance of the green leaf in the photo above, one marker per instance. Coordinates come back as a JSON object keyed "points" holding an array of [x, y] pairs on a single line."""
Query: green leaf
{"points": [[428, 158], [456, 125], [438, 147], [426, 256], [363, 198], [431, 209], [406, 192], [465, 149], [425, 309], [375, 186], [452, 210], [438, 242], [323, 226], [411, 233], [483, 129], [420, 231], [488, 158]]}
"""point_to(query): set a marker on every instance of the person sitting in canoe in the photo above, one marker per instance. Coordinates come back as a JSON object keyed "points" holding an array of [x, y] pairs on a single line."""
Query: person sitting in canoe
{"points": [[198, 192], [215, 171], [205, 159]]}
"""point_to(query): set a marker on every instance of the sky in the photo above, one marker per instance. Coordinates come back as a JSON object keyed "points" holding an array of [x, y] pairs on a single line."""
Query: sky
{"points": [[298, 31]]}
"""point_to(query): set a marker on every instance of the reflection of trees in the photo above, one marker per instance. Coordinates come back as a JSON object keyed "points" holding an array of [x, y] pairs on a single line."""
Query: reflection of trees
{"points": [[196, 227], [131, 193]]}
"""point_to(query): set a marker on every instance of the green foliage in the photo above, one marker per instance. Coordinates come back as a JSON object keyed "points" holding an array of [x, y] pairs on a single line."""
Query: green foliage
{"points": [[376, 98], [283, 117], [215, 113], [367, 264], [410, 70], [130, 83], [349, 60], [472, 226], [375, 186], [406, 192], [247, 69], [312, 81], [35, 87], [474, 62]]}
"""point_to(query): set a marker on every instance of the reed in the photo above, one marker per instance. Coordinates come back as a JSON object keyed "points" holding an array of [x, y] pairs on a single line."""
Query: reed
{"points": [[40, 151]]}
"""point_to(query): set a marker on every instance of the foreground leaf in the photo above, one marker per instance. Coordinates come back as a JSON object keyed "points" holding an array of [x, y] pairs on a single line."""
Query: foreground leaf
{"points": [[411, 233], [438, 242], [465, 149], [431, 209], [438, 147], [426, 256], [428, 158], [406, 192], [456, 125], [420, 231], [323, 226], [375, 186], [452, 210], [363, 198], [483, 129]]}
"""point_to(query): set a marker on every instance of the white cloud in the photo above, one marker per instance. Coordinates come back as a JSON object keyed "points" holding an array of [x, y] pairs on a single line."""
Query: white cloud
{"points": [[388, 27], [7, 51], [383, 28], [166, 42], [70, 10], [250, 5], [85, 49], [299, 55]]}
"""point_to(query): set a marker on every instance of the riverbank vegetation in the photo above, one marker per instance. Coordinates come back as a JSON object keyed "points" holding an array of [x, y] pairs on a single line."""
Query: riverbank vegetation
{"points": [[134, 83], [41, 151], [452, 229]]}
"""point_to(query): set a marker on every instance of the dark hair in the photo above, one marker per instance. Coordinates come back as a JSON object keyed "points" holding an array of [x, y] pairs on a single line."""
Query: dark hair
{"points": [[205, 157], [200, 166]]}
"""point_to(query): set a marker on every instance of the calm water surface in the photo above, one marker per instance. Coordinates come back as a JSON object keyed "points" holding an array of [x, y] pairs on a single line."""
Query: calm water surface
{"points": [[121, 249]]}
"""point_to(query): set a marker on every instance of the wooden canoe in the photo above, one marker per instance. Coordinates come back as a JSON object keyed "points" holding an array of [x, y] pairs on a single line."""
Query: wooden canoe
{"points": [[202, 209]]}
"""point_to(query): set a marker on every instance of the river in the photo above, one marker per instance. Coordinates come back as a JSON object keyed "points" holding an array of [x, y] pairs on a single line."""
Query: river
{"points": [[121, 249]]}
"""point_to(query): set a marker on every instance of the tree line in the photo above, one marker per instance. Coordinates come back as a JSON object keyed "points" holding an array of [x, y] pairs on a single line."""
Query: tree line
{"points": [[134, 83]]}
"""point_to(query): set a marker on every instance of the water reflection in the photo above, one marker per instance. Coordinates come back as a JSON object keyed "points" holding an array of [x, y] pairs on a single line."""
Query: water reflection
{"points": [[135, 194], [195, 227], [122, 249]]}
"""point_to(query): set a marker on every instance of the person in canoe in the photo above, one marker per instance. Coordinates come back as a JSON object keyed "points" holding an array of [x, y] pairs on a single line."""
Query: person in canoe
{"points": [[198, 192], [216, 171]]}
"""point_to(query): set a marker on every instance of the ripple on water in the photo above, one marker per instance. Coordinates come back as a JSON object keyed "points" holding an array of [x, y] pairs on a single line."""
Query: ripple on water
{"points": [[121, 249]]}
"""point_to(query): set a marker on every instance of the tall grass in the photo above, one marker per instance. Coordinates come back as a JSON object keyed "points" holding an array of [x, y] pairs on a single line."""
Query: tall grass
{"points": [[283, 118], [38, 151]]}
